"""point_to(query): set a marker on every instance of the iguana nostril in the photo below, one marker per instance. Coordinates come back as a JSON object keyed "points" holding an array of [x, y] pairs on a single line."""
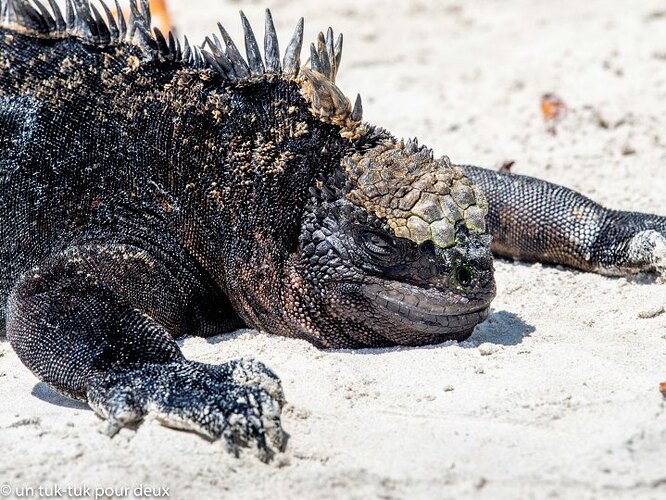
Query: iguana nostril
{"points": [[463, 275]]}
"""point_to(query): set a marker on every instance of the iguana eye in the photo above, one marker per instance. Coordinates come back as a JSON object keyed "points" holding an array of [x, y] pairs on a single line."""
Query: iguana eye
{"points": [[463, 275], [378, 244]]}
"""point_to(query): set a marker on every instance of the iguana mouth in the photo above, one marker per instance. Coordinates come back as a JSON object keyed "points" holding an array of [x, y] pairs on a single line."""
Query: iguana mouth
{"points": [[429, 312]]}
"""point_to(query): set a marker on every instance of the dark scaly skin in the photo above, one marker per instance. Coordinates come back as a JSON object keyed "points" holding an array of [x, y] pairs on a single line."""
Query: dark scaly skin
{"points": [[142, 198]]}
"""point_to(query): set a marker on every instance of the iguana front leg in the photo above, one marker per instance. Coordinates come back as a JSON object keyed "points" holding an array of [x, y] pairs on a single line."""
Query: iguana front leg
{"points": [[532, 219], [94, 323]]}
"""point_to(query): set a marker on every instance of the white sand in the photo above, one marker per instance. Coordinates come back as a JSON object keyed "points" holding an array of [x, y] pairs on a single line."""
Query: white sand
{"points": [[556, 395]]}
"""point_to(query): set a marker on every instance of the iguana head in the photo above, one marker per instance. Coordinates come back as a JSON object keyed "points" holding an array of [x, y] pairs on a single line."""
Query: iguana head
{"points": [[393, 251]]}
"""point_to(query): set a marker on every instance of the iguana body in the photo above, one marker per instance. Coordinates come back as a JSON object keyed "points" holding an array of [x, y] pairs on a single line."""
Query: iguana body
{"points": [[149, 191]]}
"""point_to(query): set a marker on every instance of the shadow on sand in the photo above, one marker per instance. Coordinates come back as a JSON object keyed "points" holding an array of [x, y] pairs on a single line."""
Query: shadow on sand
{"points": [[45, 393], [501, 328], [226, 337]]}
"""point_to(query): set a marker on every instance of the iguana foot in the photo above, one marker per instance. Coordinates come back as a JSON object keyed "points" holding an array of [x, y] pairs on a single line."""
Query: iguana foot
{"points": [[647, 251], [239, 401]]}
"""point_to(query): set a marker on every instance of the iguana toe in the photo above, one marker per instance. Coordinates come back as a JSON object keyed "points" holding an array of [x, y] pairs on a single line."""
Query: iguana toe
{"points": [[253, 373]]}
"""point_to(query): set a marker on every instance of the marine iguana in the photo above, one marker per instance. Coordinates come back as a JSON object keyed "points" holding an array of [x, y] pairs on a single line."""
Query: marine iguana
{"points": [[151, 189]]}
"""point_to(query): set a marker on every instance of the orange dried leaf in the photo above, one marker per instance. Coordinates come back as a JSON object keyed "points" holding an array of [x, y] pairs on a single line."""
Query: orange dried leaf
{"points": [[159, 13], [552, 107]]}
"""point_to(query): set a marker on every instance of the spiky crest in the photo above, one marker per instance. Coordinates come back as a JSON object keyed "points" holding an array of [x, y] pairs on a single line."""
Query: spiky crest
{"points": [[83, 20]]}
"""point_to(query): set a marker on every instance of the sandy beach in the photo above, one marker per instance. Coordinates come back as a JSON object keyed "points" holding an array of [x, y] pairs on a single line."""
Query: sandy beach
{"points": [[556, 395]]}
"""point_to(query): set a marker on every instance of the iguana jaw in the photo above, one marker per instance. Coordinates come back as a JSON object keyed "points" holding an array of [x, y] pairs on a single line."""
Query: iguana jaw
{"points": [[426, 316]]}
